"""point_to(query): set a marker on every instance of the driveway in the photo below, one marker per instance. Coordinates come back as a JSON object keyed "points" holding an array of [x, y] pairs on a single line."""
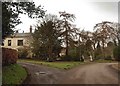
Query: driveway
{"points": [[96, 73]]}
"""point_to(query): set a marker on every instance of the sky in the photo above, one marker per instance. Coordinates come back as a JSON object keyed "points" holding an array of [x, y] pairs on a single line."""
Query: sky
{"points": [[88, 13]]}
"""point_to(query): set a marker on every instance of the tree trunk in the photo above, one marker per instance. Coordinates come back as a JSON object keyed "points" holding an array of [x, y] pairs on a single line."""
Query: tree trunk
{"points": [[50, 53], [66, 44], [103, 50], [66, 38]]}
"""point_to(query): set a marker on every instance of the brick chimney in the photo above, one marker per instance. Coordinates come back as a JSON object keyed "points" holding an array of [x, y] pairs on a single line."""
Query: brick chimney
{"points": [[30, 29], [17, 31]]}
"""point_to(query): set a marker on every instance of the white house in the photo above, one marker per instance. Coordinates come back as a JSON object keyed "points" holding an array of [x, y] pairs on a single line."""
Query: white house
{"points": [[22, 40], [18, 40]]}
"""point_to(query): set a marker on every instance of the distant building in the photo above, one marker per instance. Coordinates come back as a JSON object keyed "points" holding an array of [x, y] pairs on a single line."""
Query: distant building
{"points": [[18, 40]]}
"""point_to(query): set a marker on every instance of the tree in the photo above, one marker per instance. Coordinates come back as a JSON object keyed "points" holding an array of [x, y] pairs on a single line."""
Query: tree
{"points": [[104, 32], [89, 48], [68, 30], [45, 39], [109, 50], [85, 44], [116, 31], [98, 52], [11, 11]]}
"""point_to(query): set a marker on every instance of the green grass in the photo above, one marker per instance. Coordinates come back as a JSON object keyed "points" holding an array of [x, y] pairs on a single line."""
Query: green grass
{"points": [[60, 65], [13, 74]]}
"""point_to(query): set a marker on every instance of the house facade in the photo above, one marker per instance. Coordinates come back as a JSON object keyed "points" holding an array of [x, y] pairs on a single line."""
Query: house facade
{"points": [[18, 40]]}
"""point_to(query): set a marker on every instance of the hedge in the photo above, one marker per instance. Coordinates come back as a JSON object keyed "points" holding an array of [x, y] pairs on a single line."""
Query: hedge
{"points": [[116, 53], [9, 56]]}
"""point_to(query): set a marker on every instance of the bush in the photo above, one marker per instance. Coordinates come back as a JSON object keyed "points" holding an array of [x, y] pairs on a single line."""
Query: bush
{"points": [[66, 58], [73, 55], [70, 58], [9, 56], [22, 52], [98, 55], [116, 53], [108, 58]]}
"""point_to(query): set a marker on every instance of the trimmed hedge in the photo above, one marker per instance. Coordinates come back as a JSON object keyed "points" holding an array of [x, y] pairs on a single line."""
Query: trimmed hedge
{"points": [[9, 56]]}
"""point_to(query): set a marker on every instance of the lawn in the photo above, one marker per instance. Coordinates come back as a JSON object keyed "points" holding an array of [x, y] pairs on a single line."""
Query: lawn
{"points": [[60, 65], [13, 74]]}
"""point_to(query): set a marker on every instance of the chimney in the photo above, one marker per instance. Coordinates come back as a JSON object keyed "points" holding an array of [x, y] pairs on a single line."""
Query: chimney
{"points": [[17, 31], [30, 29]]}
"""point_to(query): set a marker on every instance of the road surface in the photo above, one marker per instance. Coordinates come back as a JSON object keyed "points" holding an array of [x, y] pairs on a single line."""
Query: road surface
{"points": [[96, 73]]}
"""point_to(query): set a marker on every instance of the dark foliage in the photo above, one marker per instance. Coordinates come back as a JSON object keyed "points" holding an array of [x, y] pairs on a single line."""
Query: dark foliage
{"points": [[9, 56], [11, 11], [46, 45], [22, 53], [116, 53]]}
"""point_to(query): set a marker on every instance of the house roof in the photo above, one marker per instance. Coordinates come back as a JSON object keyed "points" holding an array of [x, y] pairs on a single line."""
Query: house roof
{"points": [[20, 35]]}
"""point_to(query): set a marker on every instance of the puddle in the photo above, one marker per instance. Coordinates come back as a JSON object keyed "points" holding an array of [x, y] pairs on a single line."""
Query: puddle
{"points": [[39, 73]]}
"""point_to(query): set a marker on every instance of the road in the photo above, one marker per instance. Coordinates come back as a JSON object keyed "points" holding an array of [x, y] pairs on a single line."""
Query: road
{"points": [[39, 74], [96, 73]]}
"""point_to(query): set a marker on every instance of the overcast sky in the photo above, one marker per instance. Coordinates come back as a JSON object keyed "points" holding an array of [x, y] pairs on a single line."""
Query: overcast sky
{"points": [[87, 13]]}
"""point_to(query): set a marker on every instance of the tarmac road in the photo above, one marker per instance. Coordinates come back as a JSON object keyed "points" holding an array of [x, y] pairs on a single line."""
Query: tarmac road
{"points": [[96, 73]]}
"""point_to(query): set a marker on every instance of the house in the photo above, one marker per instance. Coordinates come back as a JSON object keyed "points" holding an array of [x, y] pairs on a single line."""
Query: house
{"points": [[18, 40], [23, 40]]}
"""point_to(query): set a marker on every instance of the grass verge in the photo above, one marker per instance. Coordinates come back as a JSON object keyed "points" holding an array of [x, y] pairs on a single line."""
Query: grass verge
{"points": [[13, 74], [60, 65]]}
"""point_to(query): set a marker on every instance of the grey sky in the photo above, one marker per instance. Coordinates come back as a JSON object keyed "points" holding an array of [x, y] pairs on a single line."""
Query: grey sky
{"points": [[87, 13]]}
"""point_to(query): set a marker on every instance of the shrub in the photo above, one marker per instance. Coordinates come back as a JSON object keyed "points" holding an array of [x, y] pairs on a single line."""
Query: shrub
{"points": [[9, 56], [98, 54], [66, 58], [74, 57], [69, 58], [108, 58], [22, 52], [116, 53]]}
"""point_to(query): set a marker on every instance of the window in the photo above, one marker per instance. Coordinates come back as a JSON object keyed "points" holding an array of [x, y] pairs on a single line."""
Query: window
{"points": [[2, 44], [9, 42], [20, 42]]}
